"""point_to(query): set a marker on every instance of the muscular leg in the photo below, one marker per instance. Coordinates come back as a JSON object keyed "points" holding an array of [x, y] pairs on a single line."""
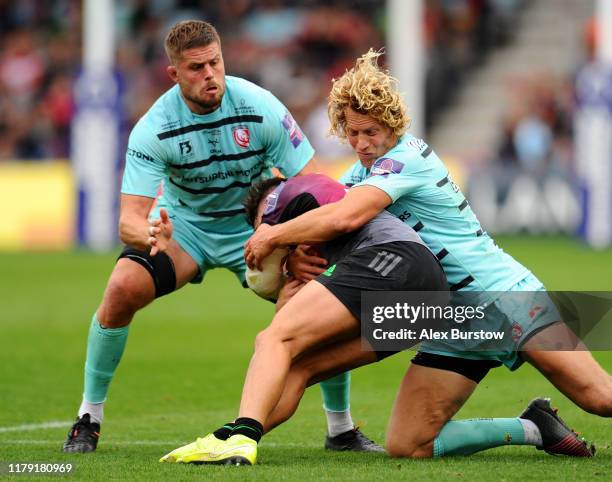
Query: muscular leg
{"points": [[293, 331], [575, 373], [318, 365], [129, 289], [427, 399]]}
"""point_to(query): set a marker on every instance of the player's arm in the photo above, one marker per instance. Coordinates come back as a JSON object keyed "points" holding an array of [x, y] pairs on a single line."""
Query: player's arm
{"points": [[134, 226], [358, 207], [144, 171]]}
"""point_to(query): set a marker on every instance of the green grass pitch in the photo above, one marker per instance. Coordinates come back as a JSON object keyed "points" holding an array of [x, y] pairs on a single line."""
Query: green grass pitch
{"points": [[182, 373]]}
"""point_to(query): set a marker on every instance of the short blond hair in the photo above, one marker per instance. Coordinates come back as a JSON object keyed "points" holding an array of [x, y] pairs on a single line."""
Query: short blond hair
{"points": [[188, 34], [369, 90]]}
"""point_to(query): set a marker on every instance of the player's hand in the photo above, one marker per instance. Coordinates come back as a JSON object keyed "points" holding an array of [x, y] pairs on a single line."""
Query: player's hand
{"points": [[305, 264], [160, 233], [258, 246], [292, 286]]}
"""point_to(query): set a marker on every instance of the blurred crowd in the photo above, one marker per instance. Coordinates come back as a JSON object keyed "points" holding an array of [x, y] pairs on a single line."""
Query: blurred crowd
{"points": [[537, 129], [537, 133], [293, 48]]}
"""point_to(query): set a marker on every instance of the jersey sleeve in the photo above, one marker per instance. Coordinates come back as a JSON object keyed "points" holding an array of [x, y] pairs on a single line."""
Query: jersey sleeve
{"points": [[144, 165], [287, 147], [397, 178]]}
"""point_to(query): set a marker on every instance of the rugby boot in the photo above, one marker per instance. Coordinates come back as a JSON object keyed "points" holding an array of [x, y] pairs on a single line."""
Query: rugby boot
{"points": [[557, 437], [353, 440], [202, 445], [236, 450], [83, 436]]}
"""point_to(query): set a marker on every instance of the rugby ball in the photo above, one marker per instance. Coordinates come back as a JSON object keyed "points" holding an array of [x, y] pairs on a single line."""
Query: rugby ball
{"points": [[268, 282]]}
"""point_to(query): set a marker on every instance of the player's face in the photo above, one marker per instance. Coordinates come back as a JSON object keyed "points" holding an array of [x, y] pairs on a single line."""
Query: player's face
{"points": [[368, 138], [200, 74]]}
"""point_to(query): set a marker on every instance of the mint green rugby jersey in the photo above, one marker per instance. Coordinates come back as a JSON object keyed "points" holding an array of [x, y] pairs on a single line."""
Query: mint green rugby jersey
{"points": [[208, 162], [425, 198]]}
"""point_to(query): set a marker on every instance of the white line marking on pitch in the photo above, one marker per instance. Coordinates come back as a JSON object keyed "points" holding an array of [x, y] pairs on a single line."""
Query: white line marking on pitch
{"points": [[35, 426], [146, 442]]}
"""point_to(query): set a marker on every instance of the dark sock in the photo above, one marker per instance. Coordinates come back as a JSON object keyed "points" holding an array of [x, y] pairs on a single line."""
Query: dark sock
{"points": [[224, 432], [249, 428]]}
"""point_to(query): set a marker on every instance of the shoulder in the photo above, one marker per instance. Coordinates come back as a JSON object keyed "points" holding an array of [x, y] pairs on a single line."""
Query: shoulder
{"points": [[243, 93], [408, 155], [244, 98], [163, 115]]}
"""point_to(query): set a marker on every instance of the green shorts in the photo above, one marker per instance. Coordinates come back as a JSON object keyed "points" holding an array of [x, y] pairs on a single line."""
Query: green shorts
{"points": [[524, 310], [208, 249]]}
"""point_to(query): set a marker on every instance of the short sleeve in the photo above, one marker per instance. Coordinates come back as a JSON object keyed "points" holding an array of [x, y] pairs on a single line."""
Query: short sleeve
{"points": [[144, 165], [287, 148]]}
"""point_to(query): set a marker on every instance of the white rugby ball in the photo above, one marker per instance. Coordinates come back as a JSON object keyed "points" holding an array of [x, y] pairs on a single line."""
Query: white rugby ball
{"points": [[268, 282]]}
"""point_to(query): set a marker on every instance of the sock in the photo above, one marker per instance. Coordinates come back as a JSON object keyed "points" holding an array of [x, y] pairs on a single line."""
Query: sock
{"points": [[465, 437], [104, 349], [248, 427], [95, 410], [338, 422], [336, 394], [533, 436], [224, 432]]}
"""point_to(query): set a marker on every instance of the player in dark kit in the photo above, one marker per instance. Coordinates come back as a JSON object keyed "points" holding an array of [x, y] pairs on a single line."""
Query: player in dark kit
{"points": [[384, 255]]}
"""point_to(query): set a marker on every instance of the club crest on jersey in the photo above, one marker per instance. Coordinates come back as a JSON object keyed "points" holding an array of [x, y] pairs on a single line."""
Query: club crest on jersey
{"points": [[295, 133], [385, 166], [242, 136], [185, 147], [517, 332]]}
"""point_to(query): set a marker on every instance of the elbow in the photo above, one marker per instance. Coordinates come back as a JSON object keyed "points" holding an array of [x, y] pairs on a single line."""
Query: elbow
{"points": [[123, 230], [347, 224]]}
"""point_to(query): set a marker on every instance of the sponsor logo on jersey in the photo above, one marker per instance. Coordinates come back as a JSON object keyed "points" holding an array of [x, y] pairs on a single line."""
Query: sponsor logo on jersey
{"points": [[242, 136], [295, 133], [385, 166], [138, 154], [272, 199], [418, 144], [185, 147]]}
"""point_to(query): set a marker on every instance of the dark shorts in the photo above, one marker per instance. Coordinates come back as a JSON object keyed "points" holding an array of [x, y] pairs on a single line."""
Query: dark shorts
{"points": [[395, 266], [475, 370]]}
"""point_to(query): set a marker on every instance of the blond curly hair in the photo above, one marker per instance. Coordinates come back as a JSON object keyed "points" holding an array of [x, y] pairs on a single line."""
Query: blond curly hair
{"points": [[370, 90]]}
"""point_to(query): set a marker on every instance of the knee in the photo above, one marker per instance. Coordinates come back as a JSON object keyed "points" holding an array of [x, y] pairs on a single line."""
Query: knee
{"points": [[411, 449], [418, 443], [266, 338], [597, 399], [276, 336], [122, 299]]}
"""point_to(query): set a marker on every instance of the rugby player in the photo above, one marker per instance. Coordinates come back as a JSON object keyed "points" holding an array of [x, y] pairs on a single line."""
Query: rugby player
{"points": [[383, 255], [316, 332], [401, 174], [207, 139]]}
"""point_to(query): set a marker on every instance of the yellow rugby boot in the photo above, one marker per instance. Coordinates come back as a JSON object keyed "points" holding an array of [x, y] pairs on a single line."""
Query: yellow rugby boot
{"points": [[236, 450], [200, 446]]}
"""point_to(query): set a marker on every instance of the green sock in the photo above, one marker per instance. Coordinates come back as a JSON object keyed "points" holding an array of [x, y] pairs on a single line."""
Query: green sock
{"points": [[104, 349], [465, 437], [336, 392]]}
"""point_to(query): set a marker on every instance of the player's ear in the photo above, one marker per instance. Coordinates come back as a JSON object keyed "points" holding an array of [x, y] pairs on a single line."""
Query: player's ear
{"points": [[172, 73]]}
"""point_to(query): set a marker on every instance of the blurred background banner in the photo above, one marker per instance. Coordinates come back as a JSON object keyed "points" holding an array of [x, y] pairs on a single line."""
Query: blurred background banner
{"points": [[514, 95]]}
